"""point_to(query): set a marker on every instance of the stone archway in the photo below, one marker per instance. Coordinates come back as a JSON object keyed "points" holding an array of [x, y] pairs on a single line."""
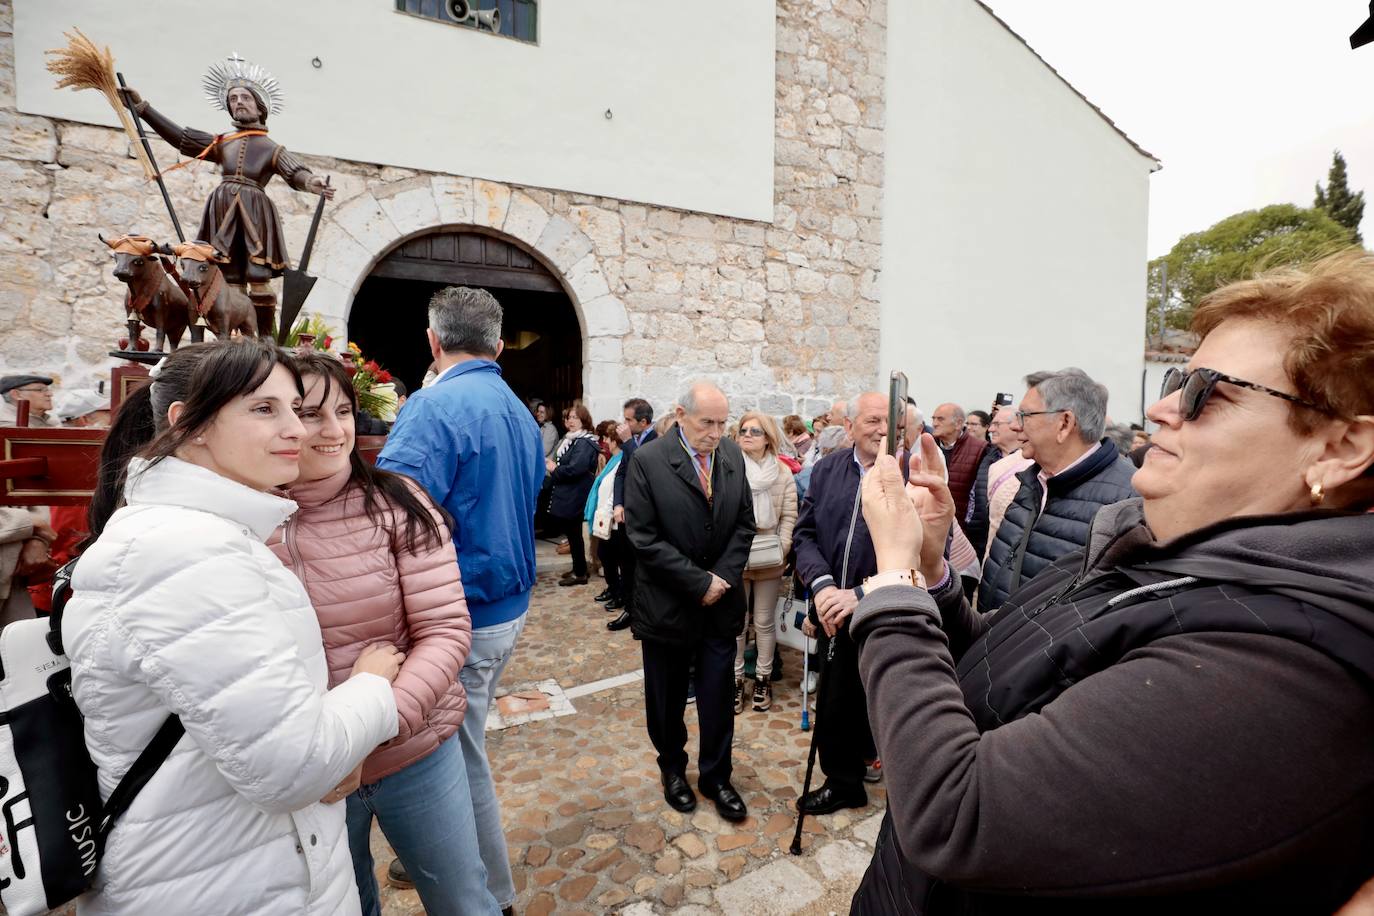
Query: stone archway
{"points": [[360, 231], [543, 354]]}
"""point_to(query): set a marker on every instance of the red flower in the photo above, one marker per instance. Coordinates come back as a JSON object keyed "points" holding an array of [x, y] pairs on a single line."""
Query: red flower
{"points": [[383, 377], [328, 341]]}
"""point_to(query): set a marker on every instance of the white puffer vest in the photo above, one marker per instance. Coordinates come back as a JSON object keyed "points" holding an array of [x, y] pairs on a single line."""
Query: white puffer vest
{"points": [[180, 607]]}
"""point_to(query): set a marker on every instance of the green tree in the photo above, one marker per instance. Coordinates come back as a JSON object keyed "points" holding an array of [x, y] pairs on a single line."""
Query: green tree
{"points": [[1238, 247], [1342, 206]]}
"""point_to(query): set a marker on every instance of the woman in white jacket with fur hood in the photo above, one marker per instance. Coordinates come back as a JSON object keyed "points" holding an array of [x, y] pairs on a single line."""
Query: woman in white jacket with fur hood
{"points": [[178, 607]]}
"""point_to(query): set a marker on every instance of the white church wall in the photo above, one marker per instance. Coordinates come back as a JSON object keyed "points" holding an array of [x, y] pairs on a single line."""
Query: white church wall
{"points": [[1014, 218], [690, 92]]}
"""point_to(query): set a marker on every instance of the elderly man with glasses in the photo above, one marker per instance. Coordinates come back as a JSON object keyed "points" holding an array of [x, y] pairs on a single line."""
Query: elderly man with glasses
{"points": [[36, 389], [1075, 472]]}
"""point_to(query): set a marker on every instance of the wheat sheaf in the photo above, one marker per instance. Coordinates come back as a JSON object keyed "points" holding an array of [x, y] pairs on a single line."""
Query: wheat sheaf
{"points": [[84, 65]]}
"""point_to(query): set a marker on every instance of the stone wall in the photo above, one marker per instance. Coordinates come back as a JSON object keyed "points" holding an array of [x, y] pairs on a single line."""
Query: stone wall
{"points": [[785, 315]]}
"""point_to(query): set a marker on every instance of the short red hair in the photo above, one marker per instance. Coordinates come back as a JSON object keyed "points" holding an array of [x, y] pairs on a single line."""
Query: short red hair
{"points": [[1328, 307]]}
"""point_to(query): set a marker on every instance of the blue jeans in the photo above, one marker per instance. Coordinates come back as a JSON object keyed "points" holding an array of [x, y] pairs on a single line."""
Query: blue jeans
{"points": [[491, 649], [425, 812]]}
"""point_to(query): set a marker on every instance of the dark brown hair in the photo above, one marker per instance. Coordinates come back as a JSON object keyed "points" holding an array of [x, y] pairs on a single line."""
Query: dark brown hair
{"points": [[204, 378], [583, 414], [606, 429], [382, 490]]}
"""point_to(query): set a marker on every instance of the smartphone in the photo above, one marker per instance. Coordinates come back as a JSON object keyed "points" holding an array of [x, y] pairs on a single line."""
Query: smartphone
{"points": [[1003, 400], [896, 411]]}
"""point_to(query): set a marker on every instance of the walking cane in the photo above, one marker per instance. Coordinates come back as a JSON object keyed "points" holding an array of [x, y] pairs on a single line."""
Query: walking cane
{"points": [[806, 690], [796, 848]]}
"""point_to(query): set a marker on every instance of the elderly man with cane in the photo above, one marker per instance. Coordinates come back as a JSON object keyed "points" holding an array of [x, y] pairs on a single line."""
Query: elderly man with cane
{"points": [[833, 555]]}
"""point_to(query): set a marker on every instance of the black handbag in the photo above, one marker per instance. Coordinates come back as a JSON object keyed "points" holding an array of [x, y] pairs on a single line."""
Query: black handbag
{"points": [[53, 824]]}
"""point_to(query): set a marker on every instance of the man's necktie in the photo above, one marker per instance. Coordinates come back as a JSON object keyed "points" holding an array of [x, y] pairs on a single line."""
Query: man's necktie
{"points": [[704, 475]]}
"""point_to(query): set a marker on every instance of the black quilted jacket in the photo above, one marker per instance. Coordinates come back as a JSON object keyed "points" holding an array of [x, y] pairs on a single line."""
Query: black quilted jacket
{"points": [[1028, 540], [1145, 728]]}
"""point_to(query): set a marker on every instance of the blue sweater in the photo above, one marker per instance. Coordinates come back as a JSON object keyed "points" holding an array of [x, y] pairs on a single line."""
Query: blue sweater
{"points": [[470, 442]]}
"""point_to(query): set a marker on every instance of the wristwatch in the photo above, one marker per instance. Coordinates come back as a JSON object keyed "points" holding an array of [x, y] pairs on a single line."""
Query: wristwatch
{"points": [[893, 577]]}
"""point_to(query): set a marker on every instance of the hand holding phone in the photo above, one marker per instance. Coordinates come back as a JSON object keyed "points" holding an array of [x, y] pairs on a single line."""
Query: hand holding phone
{"points": [[896, 411]]}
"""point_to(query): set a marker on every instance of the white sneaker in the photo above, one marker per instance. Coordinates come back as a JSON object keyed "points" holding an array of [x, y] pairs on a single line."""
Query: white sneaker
{"points": [[813, 678]]}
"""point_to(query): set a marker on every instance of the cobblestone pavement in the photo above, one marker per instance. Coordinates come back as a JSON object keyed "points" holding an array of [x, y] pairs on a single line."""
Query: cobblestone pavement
{"points": [[585, 819]]}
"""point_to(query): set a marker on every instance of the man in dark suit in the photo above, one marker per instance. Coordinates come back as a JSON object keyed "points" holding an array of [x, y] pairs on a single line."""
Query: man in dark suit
{"points": [[639, 417], [690, 517]]}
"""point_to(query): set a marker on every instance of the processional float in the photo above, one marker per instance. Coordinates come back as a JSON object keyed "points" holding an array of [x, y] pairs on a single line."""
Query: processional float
{"points": [[218, 281]]}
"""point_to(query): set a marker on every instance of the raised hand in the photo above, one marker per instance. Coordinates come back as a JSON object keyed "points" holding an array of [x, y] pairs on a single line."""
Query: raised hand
{"points": [[929, 492], [891, 516]]}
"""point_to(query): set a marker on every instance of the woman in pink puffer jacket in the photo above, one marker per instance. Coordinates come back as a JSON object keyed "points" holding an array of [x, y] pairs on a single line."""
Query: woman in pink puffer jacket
{"points": [[378, 563]]}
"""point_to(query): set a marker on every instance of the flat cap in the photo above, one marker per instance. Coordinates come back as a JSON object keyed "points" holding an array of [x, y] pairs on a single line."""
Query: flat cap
{"points": [[10, 382]]}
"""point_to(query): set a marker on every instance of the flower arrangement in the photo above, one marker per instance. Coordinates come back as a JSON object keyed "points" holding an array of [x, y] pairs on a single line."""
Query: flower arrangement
{"points": [[376, 394], [320, 335]]}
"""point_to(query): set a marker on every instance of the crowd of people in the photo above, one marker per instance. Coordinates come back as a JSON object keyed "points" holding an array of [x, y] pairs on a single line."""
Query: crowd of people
{"points": [[1097, 669]]}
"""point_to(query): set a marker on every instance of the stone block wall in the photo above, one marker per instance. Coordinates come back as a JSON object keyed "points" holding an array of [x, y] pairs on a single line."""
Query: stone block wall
{"points": [[784, 315]]}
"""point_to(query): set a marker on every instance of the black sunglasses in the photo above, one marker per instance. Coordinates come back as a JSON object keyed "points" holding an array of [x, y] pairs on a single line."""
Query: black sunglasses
{"points": [[1197, 386]]}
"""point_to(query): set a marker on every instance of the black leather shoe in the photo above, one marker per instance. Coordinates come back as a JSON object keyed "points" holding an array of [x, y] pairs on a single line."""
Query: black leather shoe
{"points": [[604, 596], [728, 803], [827, 800], [573, 580], [677, 793], [398, 877], [620, 622], [615, 604]]}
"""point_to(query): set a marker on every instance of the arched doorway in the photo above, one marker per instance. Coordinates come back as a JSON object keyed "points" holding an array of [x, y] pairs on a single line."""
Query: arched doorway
{"points": [[543, 355]]}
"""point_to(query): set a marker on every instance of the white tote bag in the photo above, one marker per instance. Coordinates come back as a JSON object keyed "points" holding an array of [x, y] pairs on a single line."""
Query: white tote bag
{"points": [[789, 614]]}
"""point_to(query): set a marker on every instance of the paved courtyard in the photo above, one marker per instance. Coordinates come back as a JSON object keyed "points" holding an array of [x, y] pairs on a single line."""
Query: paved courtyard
{"points": [[584, 814]]}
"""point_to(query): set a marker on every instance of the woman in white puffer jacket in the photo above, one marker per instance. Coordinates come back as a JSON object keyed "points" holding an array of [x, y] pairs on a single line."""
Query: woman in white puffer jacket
{"points": [[179, 607]]}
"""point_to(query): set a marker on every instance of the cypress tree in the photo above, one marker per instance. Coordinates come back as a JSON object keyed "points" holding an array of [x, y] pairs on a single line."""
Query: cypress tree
{"points": [[1341, 205]]}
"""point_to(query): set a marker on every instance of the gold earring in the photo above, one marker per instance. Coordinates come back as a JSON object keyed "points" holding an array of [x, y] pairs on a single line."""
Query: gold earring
{"points": [[1318, 493]]}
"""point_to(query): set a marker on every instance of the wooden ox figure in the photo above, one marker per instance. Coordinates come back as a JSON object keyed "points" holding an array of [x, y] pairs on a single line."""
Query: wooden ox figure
{"points": [[216, 304], [152, 297]]}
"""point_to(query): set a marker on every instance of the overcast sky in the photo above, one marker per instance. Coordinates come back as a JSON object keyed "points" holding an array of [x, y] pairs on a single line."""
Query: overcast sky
{"points": [[1242, 102]]}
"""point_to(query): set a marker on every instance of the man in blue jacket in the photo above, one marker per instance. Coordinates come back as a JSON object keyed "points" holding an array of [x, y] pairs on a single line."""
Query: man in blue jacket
{"points": [[470, 442]]}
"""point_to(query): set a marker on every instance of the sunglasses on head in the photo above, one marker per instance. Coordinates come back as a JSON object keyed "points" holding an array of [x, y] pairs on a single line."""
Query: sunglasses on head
{"points": [[1196, 386]]}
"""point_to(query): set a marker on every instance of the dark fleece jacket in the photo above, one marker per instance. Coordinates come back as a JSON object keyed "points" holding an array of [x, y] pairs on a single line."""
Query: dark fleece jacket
{"points": [[1146, 727]]}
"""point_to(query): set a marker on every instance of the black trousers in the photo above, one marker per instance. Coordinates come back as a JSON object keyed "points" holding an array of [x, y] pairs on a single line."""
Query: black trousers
{"points": [[843, 739], [625, 555], [572, 527], [666, 671], [609, 552]]}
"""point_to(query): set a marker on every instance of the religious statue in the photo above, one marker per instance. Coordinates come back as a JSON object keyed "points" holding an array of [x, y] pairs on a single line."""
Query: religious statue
{"points": [[240, 220]]}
